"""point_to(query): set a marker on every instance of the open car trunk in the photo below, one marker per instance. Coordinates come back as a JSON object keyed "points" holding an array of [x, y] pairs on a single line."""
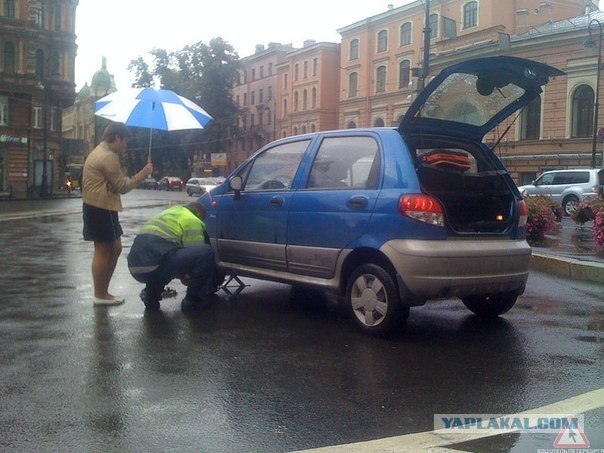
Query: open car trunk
{"points": [[476, 196]]}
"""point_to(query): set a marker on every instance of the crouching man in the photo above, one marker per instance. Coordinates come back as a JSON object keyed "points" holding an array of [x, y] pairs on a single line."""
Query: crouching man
{"points": [[174, 244]]}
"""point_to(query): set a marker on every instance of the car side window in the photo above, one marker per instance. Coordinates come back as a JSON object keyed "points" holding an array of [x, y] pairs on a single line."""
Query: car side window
{"points": [[545, 180], [276, 167], [346, 162]]}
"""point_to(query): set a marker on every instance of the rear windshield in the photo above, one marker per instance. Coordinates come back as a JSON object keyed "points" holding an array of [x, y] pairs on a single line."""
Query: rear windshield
{"points": [[478, 104]]}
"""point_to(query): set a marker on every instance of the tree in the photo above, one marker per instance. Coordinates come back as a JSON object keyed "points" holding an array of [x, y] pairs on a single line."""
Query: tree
{"points": [[204, 73]]}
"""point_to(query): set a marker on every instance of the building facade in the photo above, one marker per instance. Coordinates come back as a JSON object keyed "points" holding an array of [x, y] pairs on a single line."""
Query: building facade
{"points": [[37, 59], [380, 65]]}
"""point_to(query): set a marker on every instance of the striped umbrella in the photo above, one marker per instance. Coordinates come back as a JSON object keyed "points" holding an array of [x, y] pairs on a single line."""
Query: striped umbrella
{"points": [[153, 109]]}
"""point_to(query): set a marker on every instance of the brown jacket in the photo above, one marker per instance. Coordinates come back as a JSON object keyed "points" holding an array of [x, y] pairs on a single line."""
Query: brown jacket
{"points": [[103, 181]]}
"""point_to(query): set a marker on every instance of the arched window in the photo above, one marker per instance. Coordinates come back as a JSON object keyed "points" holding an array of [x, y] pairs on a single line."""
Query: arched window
{"points": [[583, 111], [313, 128], [404, 73], [379, 122], [295, 101], [406, 34], [382, 41], [351, 125], [313, 101], [9, 57], [295, 130], [433, 25], [305, 99], [531, 120], [380, 79], [304, 128], [354, 49], [470, 15], [284, 108], [353, 84]]}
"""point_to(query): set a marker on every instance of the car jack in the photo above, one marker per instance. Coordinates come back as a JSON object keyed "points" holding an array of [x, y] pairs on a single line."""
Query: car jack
{"points": [[233, 286]]}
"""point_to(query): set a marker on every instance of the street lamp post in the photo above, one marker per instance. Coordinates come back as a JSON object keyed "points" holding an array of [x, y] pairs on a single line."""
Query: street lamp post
{"points": [[591, 43], [44, 186]]}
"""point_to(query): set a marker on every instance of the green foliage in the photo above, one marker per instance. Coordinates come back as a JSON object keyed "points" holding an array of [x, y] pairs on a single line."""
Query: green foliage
{"points": [[203, 73]]}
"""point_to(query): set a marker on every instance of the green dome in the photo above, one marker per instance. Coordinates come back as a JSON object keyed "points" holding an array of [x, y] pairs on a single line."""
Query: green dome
{"points": [[102, 79], [84, 93]]}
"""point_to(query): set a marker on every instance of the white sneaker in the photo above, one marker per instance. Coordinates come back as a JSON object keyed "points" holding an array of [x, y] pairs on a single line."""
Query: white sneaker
{"points": [[113, 301]]}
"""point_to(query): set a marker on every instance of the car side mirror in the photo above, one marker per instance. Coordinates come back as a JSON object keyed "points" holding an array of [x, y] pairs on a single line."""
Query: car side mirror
{"points": [[236, 184]]}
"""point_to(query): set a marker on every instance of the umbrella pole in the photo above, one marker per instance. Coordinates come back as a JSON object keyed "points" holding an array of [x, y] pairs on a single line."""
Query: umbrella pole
{"points": [[150, 142]]}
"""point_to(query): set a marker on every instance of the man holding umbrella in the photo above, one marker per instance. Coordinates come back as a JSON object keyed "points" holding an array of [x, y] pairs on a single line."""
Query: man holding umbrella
{"points": [[103, 182]]}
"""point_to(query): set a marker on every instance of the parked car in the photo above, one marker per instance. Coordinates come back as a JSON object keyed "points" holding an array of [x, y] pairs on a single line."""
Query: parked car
{"points": [[170, 183], [569, 187], [390, 217], [199, 186], [149, 183]]}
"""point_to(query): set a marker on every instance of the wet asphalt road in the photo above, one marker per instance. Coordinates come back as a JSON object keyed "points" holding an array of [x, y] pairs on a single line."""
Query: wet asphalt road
{"points": [[271, 370]]}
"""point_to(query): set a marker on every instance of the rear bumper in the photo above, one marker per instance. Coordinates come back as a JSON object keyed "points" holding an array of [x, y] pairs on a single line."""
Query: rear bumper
{"points": [[431, 269]]}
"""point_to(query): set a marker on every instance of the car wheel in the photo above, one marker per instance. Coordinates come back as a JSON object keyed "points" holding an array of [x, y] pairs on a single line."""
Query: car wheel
{"points": [[570, 204], [374, 300], [490, 306]]}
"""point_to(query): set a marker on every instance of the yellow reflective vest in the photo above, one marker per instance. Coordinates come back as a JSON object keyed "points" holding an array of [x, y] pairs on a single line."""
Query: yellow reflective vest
{"points": [[176, 224]]}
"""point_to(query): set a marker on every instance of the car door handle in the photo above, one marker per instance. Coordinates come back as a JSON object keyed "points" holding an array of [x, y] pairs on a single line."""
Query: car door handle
{"points": [[277, 202], [358, 202]]}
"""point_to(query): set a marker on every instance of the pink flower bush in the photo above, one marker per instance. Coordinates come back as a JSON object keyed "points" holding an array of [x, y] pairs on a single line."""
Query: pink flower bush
{"points": [[541, 218], [598, 227]]}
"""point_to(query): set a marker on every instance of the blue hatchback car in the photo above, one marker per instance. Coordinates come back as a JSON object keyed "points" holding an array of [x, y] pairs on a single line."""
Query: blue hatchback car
{"points": [[390, 217]]}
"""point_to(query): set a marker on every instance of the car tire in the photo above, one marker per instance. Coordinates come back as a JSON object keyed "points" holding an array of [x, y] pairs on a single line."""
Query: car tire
{"points": [[492, 305], [570, 204], [374, 301]]}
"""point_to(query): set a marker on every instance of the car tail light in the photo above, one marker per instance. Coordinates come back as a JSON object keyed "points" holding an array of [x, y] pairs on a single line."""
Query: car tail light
{"points": [[524, 213], [423, 208]]}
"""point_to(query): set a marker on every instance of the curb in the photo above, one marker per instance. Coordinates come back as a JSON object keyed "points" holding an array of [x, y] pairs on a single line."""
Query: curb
{"points": [[568, 267]]}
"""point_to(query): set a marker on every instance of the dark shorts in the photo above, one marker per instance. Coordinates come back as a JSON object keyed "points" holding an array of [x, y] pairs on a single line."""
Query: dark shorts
{"points": [[101, 225]]}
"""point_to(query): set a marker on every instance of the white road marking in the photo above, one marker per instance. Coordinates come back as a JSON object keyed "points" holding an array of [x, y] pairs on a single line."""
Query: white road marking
{"points": [[439, 440]]}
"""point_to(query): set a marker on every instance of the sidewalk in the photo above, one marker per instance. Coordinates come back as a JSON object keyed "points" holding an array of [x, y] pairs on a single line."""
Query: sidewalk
{"points": [[568, 251]]}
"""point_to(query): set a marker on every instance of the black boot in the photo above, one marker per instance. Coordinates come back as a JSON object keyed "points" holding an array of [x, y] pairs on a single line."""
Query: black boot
{"points": [[151, 297]]}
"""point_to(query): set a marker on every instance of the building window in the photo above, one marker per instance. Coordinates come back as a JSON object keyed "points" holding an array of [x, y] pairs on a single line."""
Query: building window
{"points": [[54, 115], [404, 73], [253, 98], [315, 67], [270, 93], [296, 72], [270, 69], [9, 57], [245, 99], [3, 110], [37, 119], [380, 79], [531, 120], [582, 111], [313, 127], [306, 69], [285, 81], [295, 101], [470, 15], [262, 72], [260, 95], [354, 49], [351, 125], [406, 34], [314, 98], [38, 14], [433, 25], [253, 74], [382, 41], [57, 16], [284, 108], [379, 122], [304, 128], [40, 64], [9, 8], [305, 100], [353, 84]]}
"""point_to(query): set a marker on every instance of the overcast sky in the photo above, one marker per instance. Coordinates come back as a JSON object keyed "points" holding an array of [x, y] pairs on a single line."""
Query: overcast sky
{"points": [[123, 30]]}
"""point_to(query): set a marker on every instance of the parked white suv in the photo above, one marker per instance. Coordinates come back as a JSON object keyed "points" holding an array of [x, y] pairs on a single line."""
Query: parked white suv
{"points": [[569, 187]]}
